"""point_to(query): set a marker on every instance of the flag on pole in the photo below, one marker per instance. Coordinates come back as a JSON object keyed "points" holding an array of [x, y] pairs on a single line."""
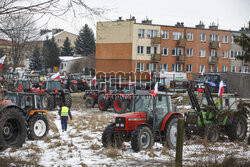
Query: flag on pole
{"points": [[155, 90], [93, 81], [1, 62], [221, 89], [32, 72], [56, 76]]}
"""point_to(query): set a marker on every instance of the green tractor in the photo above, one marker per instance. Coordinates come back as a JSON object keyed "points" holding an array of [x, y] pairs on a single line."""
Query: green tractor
{"points": [[214, 116]]}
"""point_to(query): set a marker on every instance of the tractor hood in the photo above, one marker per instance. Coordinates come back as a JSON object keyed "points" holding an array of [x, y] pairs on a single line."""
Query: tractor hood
{"points": [[134, 115]]}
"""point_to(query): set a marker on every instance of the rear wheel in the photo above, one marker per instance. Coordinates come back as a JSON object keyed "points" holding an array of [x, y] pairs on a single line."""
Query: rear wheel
{"points": [[171, 133], [72, 88], [238, 129], [48, 102], [212, 133], [103, 105], [68, 100], [119, 106], [141, 139], [38, 127], [109, 139], [89, 102], [13, 128]]}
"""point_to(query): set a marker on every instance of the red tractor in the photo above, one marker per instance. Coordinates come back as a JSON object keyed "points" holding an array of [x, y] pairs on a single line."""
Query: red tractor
{"points": [[153, 119]]}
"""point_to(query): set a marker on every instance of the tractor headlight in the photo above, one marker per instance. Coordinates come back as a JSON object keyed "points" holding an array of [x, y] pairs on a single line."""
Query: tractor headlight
{"points": [[120, 122]]}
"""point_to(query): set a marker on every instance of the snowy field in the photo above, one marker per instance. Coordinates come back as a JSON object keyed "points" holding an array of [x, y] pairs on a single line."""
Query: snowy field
{"points": [[81, 146]]}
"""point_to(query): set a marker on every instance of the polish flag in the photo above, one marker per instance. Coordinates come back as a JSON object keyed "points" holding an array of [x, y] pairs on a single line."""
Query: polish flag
{"points": [[32, 72], [93, 81], [56, 76], [221, 89], [150, 75], [1, 62], [155, 90]]}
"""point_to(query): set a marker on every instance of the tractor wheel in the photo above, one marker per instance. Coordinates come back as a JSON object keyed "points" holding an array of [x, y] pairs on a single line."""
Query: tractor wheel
{"points": [[100, 97], [103, 105], [89, 102], [238, 129], [72, 88], [119, 106], [13, 128], [38, 127], [212, 133], [108, 137], [68, 100], [48, 102], [171, 133], [141, 138]]}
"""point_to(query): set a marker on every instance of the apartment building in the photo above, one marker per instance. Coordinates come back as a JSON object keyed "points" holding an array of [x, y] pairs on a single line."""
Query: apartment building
{"points": [[127, 46]]}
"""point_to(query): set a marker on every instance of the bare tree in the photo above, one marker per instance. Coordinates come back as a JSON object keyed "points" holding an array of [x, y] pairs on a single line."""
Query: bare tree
{"points": [[19, 29]]}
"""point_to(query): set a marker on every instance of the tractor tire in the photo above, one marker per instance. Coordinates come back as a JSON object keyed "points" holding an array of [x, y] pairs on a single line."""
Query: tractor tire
{"points": [[238, 129], [48, 102], [38, 127], [13, 128], [141, 138], [108, 137], [72, 88], [120, 106], [68, 100], [89, 102], [171, 133], [103, 105], [100, 97], [212, 133]]}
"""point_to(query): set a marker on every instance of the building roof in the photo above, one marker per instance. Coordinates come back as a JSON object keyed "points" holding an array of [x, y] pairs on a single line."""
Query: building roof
{"points": [[69, 58], [4, 42], [49, 35]]}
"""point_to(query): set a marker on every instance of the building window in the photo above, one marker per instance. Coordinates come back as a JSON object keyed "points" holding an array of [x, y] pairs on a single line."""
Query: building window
{"points": [[190, 36], [232, 39], [214, 37], [245, 69], [151, 67], [58, 40], [189, 52], [149, 50], [210, 69], [176, 67], [155, 50], [203, 37], [232, 68], [202, 68], [225, 39], [140, 50], [202, 53], [232, 55], [214, 53], [225, 54], [177, 35], [223, 68], [216, 69], [152, 33], [61, 65], [164, 67], [164, 34], [177, 51], [140, 66], [164, 51], [189, 68], [141, 33]]}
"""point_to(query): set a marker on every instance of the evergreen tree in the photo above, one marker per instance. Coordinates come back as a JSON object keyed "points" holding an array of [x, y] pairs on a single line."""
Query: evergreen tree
{"points": [[67, 50], [51, 53], [85, 42], [244, 41], [35, 60]]}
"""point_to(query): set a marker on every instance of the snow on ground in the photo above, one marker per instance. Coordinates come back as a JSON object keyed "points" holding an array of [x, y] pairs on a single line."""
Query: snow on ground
{"points": [[81, 146]]}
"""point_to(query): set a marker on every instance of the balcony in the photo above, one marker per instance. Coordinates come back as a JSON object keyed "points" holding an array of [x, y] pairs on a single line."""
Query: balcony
{"points": [[156, 41], [214, 44], [213, 60], [180, 59], [155, 58], [182, 42]]}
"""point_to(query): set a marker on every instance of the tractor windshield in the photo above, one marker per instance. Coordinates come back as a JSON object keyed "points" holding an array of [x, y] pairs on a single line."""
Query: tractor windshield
{"points": [[76, 77], [53, 85]]}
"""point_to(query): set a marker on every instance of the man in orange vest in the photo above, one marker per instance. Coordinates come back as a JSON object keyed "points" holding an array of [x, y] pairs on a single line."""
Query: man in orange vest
{"points": [[64, 113]]}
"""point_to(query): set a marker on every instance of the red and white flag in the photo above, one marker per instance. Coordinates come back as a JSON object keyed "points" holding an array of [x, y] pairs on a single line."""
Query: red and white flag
{"points": [[56, 76], [155, 90], [1, 62], [32, 72], [93, 81], [221, 89]]}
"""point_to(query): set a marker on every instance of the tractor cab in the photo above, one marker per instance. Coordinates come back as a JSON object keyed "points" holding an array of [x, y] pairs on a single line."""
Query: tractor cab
{"points": [[35, 79], [11, 75], [52, 85], [24, 85]]}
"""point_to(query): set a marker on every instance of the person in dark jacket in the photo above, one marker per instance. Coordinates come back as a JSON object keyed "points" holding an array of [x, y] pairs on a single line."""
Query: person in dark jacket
{"points": [[64, 113]]}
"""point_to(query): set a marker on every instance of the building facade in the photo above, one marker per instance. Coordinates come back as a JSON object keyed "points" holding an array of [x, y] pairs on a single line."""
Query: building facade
{"points": [[127, 46]]}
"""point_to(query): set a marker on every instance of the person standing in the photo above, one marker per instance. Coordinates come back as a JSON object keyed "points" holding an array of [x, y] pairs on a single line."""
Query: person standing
{"points": [[64, 113]]}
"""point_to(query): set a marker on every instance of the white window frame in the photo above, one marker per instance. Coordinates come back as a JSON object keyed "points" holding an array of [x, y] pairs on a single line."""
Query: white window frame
{"points": [[210, 68], [152, 33], [214, 53], [141, 66], [163, 51], [201, 37], [202, 68], [216, 69], [177, 51], [190, 36], [140, 50], [223, 68], [232, 69], [176, 67], [147, 50], [202, 52], [225, 39], [232, 39], [164, 34], [225, 54], [189, 68], [164, 67], [141, 33], [150, 67], [190, 52], [177, 35], [214, 37], [232, 54]]}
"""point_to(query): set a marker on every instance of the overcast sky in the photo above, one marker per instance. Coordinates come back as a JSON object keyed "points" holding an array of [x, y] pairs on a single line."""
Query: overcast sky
{"points": [[229, 14]]}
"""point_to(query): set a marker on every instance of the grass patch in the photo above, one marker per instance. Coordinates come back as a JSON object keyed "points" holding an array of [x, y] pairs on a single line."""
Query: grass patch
{"points": [[112, 153]]}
